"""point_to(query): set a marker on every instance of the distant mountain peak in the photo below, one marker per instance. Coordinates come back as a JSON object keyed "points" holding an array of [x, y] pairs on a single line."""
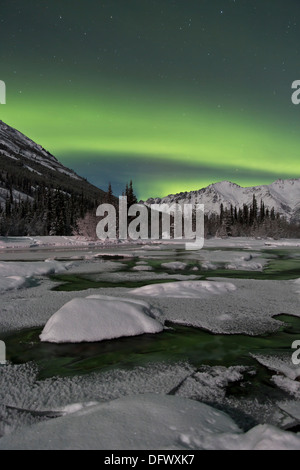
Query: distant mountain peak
{"points": [[283, 195]]}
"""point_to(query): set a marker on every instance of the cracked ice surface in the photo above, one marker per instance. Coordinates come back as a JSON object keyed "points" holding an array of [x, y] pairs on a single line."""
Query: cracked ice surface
{"points": [[243, 306]]}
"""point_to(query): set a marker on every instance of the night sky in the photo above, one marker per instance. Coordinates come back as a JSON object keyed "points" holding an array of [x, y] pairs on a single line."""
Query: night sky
{"points": [[173, 94]]}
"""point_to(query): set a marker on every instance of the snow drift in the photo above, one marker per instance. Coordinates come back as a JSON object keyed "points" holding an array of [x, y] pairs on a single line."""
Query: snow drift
{"points": [[149, 421], [15, 275], [135, 422], [97, 318], [185, 289]]}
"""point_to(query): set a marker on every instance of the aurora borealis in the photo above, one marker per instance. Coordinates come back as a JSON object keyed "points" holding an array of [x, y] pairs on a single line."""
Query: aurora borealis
{"points": [[173, 94]]}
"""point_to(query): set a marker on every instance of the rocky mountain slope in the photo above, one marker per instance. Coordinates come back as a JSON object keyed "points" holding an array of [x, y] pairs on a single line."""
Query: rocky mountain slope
{"points": [[283, 195], [25, 165]]}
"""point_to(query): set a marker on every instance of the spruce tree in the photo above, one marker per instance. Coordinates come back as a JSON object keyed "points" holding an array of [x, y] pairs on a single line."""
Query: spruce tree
{"points": [[129, 193], [109, 194]]}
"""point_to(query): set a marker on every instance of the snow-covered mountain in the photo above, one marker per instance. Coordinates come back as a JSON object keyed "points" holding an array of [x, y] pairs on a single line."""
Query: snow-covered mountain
{"points": [[283, 195], [24, 165]]}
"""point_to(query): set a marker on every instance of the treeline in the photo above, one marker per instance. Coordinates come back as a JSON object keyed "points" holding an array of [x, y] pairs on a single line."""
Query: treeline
{"points": [[49, 211], [249, 221], [38, 200], [253, 221], [46, 212], [19, 180]]}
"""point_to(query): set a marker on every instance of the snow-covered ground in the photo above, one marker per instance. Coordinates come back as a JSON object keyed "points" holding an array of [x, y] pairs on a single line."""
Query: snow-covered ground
{"points": [[236, 307], [46, 242], [161, 422], [19, 243], [219, 305]]}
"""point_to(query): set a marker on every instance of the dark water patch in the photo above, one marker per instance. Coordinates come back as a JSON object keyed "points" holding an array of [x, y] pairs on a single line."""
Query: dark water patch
{"points": [[282, 253], [295, 429], [112, 257], [282, 265], [176, 344], [73, 282]]}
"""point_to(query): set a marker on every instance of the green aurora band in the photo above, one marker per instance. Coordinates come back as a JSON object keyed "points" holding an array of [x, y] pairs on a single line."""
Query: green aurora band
{"points": [[126, 125]]}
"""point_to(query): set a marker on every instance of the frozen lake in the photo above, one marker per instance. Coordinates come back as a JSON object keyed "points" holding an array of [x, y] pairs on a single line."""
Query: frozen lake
{"points": [[229, 311]]}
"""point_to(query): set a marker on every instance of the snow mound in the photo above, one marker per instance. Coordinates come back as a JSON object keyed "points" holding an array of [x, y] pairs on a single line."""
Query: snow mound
{"points": [[135, 422], [185, 289], [206, 265], [97, 318], [147, 422], [142, 268], [232, 260], [289, 243], [174, 265], [14, 275], [244, 266], [261, 437], [11, 282], [42, 268]]}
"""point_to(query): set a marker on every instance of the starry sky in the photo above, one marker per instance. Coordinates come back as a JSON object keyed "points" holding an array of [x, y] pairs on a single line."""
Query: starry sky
{"points": [[175, 94]]}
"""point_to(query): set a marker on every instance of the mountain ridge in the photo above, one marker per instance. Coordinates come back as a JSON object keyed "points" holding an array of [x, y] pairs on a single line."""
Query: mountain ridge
{"points": [[283, 195], [24, 165], [38, 194]]}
